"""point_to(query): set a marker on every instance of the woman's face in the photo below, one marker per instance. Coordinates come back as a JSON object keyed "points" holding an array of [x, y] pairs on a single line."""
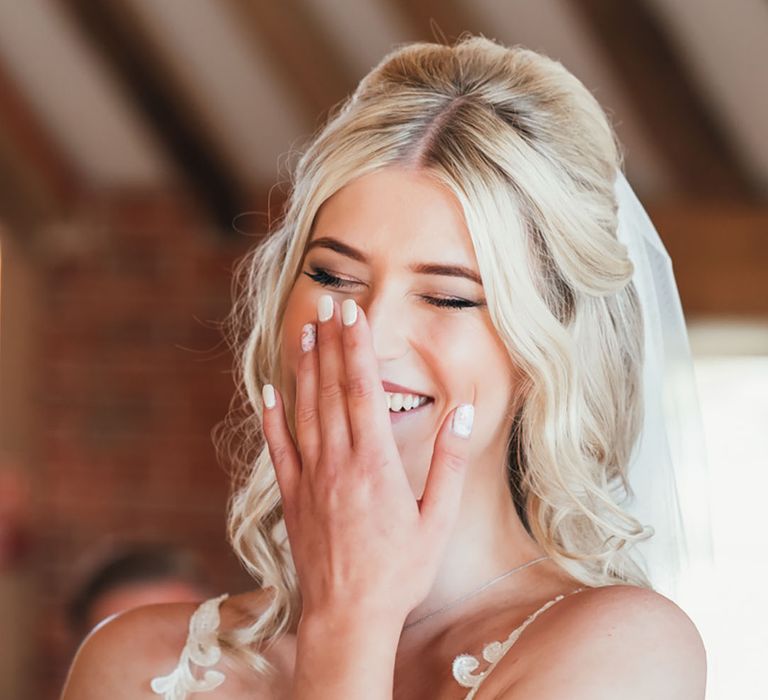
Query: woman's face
{"points": [[384, 240]]}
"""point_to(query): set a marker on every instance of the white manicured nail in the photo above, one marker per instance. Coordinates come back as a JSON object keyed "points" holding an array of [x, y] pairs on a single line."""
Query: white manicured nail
{"points": [[308, 337], [463, 417], [348, 312], [268, 394], [324, 307]]}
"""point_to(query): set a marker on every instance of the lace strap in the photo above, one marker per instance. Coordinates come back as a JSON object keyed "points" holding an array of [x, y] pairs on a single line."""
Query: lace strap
{"points": [[202, 649], [465, 664]]}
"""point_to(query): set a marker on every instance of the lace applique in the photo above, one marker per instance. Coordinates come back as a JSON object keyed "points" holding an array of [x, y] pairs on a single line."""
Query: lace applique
{"points": [[202, 649], [465, 664]]}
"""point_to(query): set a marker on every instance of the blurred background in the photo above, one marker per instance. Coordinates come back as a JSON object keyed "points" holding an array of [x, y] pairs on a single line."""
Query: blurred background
{"points": [[134, 132]]}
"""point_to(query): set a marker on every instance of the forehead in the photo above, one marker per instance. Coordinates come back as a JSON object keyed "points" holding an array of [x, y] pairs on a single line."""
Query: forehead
{"points": [[400, 212]]}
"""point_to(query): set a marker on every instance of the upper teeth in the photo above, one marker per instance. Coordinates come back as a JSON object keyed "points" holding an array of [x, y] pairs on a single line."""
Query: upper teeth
{"points": [[399, 402]]}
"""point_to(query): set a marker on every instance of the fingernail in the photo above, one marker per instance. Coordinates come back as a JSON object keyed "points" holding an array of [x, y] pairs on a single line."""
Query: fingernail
{"points": [[463, 417], [324, 307], [268, 394], [348, 312], [308, 336]]}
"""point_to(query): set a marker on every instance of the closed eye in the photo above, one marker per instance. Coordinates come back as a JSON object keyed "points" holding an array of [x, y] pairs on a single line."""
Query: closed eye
{"points": [[327, 280]]}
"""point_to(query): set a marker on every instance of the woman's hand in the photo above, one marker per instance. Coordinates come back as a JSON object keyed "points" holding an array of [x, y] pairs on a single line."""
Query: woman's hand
{"points": [[359, 539]]}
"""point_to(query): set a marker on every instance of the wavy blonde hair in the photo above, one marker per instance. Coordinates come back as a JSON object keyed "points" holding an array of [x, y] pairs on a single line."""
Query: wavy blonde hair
{"points": [[531, 157]]}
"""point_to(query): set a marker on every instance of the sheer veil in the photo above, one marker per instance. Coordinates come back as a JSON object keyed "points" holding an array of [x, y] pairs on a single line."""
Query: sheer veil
{"points": [[668, 472]]}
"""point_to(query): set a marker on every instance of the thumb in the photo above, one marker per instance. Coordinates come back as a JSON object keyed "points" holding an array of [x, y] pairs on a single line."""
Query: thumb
{"points": [[442, 492]]}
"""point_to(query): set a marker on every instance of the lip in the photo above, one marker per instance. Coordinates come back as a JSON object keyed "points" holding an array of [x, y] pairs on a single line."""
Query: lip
{"points": [[400, 389]]}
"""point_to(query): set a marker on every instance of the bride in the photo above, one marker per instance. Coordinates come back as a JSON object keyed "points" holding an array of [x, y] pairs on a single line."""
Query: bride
{"points": [[441, 353]]}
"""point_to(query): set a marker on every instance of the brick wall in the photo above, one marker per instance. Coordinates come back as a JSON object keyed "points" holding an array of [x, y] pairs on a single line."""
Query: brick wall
{"points": [[131, 378]]}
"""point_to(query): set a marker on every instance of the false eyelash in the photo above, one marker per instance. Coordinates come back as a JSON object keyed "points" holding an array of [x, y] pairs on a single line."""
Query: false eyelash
{"points": [[327, 280]]}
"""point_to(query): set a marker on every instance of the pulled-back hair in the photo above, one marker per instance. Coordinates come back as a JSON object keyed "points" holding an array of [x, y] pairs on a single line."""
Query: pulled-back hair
{"points": [[531, 157]]}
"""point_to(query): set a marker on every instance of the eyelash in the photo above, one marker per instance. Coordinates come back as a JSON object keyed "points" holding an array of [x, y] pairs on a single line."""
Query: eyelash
{"points": [[327, 280]]}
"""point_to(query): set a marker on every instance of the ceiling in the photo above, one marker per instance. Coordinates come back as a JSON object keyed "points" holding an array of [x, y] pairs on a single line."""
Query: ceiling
{"points": [[216, 95]]}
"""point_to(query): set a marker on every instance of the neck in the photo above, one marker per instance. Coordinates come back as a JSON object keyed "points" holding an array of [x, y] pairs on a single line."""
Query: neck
{"points": [[480, 549]]}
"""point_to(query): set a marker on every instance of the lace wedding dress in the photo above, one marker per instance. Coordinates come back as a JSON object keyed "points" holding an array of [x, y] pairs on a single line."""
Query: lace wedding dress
{"points": [[202, 650]]}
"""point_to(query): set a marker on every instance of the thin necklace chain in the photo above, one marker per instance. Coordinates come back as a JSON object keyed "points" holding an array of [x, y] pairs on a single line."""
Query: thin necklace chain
{"points": [[466, 596]]}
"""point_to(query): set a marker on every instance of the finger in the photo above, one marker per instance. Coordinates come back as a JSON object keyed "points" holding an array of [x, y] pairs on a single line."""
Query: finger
{"points": [[445, 482], [366, 398], [282, 451], [306, 417], [331, 395]]}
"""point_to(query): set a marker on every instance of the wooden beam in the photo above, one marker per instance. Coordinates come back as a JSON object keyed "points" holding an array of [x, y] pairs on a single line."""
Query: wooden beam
{"points": [[128, 51], [36, 180], [306, 60], [437, 20], [24, 204], [645, 59], [719, 254]]}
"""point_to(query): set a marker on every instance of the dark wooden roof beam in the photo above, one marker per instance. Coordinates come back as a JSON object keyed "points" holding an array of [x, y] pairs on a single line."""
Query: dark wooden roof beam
{"points": [[648, 64], [128, 51], [38, 182], [306, 60]]}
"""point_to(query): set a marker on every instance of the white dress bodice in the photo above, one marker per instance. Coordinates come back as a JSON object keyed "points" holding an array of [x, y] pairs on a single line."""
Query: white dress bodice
{"points": [[202, 650]]}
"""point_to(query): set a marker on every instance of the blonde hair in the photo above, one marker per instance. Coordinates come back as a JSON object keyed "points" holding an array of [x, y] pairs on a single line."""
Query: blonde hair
{"points": [[531, 157]]}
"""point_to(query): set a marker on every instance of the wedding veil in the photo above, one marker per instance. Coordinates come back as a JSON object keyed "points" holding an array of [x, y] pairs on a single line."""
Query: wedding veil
{"points": [[668, 471]]}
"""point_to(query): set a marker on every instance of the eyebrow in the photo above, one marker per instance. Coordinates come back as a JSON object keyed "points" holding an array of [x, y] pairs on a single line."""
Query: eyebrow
{"points": [[419, 268]]}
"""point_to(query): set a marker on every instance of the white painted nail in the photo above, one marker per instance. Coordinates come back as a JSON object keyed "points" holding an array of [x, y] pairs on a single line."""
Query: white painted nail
{"points": [[348, 312], [324, 307], [308, 337], [463, 418], [268, 394]]}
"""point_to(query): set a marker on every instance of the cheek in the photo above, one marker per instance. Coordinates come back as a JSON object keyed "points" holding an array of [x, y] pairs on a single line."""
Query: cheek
{"points": [[470, 357], [467, 351]]}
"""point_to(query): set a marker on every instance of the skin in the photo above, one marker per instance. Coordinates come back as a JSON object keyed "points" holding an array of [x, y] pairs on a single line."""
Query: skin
{"points": [[397, 217], [391, 554], [138, 593], [391, 521]]}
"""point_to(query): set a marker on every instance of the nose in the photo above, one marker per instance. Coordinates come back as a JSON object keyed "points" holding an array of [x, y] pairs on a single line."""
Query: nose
{"points": [[388, 324]]}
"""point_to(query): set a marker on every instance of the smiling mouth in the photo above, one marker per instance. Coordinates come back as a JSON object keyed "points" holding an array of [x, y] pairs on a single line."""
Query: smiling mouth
{"points": [[423, 403]]}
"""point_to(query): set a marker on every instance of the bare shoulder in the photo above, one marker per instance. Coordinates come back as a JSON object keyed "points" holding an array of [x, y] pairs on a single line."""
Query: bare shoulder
{"points": [[121, 656], [614, 641]]}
